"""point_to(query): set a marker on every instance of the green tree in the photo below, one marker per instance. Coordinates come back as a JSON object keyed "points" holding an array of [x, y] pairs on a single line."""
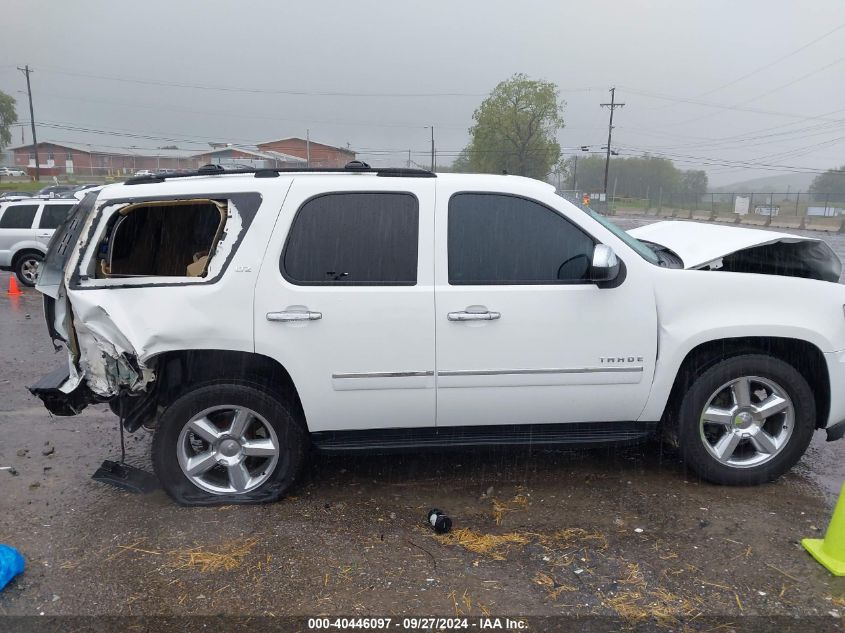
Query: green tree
{"points": [[830, 185], [461, 164], [8, 117], [515, 129], [694, 184], [634, 177]]}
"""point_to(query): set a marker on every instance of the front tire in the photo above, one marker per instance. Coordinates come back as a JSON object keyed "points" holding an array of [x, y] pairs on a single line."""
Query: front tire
{"points": [[228, 443], [28, 267], [746, 420]]}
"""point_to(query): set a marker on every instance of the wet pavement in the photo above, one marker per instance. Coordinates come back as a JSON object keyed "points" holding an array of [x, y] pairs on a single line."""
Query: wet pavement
{"points": [[601, 532]]}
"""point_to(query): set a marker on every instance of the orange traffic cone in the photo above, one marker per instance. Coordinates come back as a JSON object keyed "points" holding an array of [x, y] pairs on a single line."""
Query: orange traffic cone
{"points": [[13, 291]]}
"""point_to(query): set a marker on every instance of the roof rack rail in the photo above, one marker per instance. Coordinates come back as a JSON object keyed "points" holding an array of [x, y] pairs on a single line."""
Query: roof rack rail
{"points": [[352, 167]]}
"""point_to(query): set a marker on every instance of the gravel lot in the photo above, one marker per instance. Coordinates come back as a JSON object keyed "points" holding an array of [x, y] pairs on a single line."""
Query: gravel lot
{"points": [[622, 533]]}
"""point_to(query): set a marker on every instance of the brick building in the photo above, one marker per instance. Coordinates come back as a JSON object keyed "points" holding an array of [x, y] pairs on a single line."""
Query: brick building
{"points": [[316, 154], [58, 158], [234, 157], [79, 161]]}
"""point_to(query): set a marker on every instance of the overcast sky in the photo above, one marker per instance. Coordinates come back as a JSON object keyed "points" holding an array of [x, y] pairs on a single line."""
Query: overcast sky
{"points": [[188, 72]]}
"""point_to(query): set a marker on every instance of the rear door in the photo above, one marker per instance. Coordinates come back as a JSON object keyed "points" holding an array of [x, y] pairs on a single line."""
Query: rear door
{"points": [[345, 300], [52, 215], [16, 228]]}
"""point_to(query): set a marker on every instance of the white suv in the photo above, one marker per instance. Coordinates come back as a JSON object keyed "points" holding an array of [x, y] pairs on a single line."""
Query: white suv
{"points": [[249, 316], [26, 227], [12, 172]]}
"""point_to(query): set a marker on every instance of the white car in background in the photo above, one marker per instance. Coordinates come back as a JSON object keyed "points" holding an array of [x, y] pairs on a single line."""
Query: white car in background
{"points": [[12, 172], [26, 227], [249, 317]]}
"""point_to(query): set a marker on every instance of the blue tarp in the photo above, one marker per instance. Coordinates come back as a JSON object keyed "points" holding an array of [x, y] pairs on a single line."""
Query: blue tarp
{"points": [[11, 564]]}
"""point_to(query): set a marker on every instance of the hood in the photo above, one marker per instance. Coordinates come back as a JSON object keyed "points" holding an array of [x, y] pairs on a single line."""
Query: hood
{"points": [[743, 250]]}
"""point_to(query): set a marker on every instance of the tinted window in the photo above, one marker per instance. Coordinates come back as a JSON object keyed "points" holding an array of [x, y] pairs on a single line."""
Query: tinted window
{"points": [[354, 238], [501, 239], [53, 215], [18, 216]]}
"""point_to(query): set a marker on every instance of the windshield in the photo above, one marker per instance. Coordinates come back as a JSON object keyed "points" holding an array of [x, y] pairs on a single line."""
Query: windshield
{"points": [[642, 250]]}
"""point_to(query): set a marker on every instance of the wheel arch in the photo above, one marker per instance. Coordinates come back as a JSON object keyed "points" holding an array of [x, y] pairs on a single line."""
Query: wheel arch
{"points": [[804, 356], [178, 371], [26, 250]]}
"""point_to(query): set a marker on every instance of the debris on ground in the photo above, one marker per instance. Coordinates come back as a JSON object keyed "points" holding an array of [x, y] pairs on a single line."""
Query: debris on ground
{"points": [[439, 521], [493, 545], [225, 557], [500, 508], [463, 604], [552, 586]]}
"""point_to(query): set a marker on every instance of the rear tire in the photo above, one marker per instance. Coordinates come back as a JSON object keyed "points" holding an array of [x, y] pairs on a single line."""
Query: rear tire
{"points": [[746, 420], [28, 267], [228, 443]]}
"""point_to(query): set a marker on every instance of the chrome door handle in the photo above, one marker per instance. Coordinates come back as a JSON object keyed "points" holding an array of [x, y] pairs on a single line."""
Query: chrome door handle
{"points": [[287, 317], [473, 316]]}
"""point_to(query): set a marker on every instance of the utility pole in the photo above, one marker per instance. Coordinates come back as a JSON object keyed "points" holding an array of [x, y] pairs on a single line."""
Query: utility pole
{"points": [[409, 159], [308, 148], [612, 105], [25, 70], [432, 148], [575, 173]]}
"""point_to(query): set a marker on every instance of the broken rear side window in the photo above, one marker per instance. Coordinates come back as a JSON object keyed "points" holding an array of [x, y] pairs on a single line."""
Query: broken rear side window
{"points": [[172, 238]]}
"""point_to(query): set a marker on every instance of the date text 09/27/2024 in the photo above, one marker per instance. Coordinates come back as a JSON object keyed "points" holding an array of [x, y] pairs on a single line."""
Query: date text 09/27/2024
{"points": [[417, 623]]}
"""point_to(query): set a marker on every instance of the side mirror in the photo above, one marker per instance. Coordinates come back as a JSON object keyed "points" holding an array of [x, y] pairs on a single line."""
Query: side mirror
{"points": [[605, 265]]}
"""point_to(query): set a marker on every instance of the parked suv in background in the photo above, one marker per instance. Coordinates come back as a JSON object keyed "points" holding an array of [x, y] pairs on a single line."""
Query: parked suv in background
{"points": [[26, 227], [247, 317], [12, 172]]}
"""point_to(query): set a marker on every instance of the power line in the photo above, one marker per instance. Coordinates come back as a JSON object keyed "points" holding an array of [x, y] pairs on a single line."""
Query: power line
{"points": [[721, 162], [700, 140], [775, 137], [242, 115], [724, 106], [768, 92], [289, 92], [219, 88], [772, 63]]}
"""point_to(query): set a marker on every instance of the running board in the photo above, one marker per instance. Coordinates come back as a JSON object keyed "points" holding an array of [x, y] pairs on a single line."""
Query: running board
{"points": [[442, 438]]}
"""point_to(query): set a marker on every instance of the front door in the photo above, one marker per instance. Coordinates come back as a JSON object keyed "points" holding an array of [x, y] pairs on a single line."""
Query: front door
{"points": [[345, 300], [522, 336]]}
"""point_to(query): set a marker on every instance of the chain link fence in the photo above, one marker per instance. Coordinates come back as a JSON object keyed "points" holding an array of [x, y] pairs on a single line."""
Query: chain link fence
{"points": [[766, 204]]}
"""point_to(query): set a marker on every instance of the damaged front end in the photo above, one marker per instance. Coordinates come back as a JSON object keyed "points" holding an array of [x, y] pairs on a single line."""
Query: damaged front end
{"points": [[743, 250]]}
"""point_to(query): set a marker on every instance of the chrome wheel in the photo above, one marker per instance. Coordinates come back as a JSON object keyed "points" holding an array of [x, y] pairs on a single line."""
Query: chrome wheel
{"points": [[228, 449], [30, 269], [747, 422]]}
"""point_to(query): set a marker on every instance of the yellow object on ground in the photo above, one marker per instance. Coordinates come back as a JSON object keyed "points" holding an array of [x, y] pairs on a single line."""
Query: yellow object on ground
{"points": [[830, 551]]}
